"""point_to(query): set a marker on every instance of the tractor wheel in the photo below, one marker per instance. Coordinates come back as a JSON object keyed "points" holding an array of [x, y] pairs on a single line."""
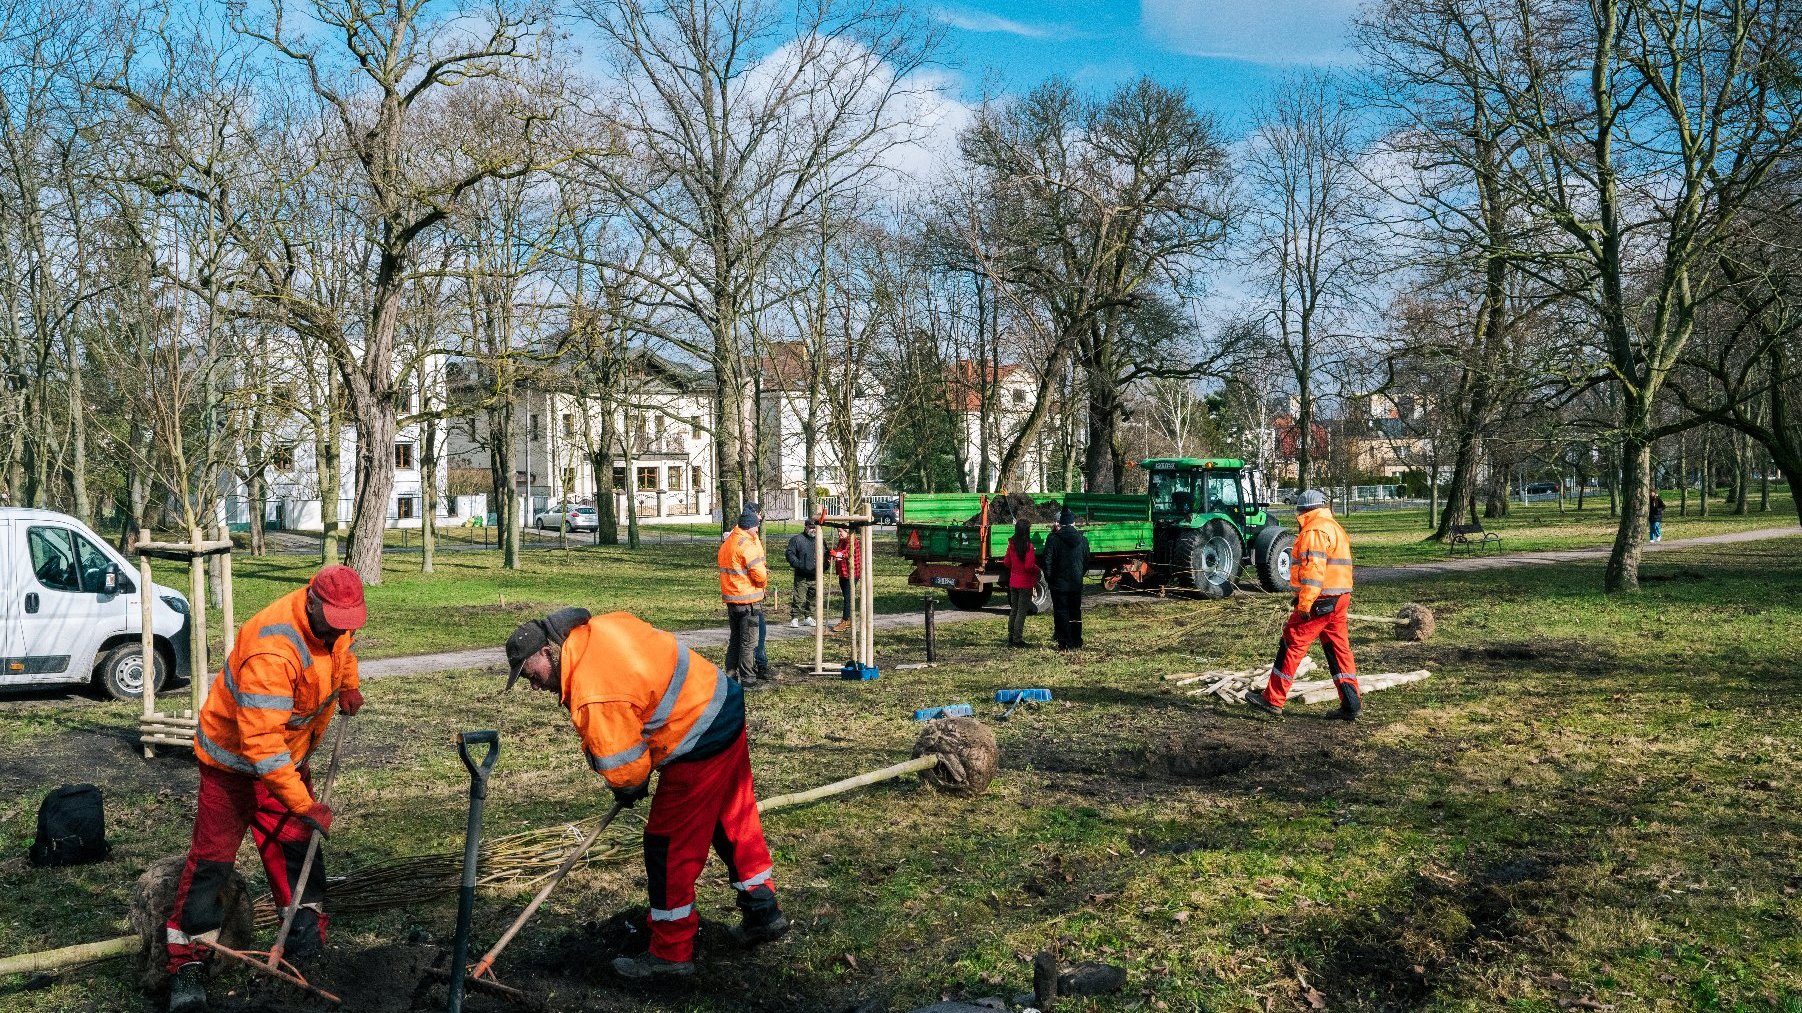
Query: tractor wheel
{"points": [[1041, 598], [971, 601], [1212, 558], [1272, 551]]}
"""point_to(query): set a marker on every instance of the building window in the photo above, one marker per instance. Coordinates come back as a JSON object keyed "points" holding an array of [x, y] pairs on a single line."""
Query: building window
{"points": [[535, 426], [619, 476], [694, 427], [647, 480], [403, 400], [450, 506], [406, 507], [403, 457], [569, 425], [695, 474], [676, 476], [282, 457], [1019, 397]]}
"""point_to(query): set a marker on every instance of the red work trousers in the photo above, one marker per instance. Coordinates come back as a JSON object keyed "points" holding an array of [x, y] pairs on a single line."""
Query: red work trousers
{"points": [[698, 804], [1334, 634], [230, 804]]}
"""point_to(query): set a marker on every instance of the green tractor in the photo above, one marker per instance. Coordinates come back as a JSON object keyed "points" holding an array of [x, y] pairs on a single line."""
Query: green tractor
{"points": [[1209, 524]]}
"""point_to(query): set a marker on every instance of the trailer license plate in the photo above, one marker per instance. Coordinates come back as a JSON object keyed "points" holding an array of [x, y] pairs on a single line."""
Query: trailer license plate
{"points": [[944, 581]]}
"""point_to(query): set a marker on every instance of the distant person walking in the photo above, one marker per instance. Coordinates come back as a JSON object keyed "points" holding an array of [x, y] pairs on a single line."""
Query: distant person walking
{"points": [[1022, 563], [1065, 560], [845, 563], [803, 555], [744, 577], [1321, 575], [1656, 512]]}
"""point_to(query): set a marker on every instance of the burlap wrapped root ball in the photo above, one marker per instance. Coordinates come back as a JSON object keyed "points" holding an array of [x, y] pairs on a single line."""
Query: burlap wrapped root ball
{"points": [[1414, 622], [968, 756], [153, 897]]}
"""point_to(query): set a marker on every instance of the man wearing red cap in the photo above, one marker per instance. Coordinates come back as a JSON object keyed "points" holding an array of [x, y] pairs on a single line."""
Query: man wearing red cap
{"points": [[291, 669]]}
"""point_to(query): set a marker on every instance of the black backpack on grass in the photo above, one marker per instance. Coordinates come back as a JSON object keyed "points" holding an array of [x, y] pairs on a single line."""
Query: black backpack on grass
{"points": [[71, 827]]}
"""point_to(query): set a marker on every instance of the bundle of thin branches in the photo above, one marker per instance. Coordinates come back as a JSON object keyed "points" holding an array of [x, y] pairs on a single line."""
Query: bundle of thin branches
{"points": [[514, 862]]}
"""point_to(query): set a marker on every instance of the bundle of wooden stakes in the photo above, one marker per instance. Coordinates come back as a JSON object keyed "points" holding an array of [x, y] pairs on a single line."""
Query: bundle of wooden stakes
{"points": [[1233, 685]]}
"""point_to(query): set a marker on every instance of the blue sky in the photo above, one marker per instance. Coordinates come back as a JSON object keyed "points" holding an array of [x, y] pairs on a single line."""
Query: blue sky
{"points": [[1224, 51]]}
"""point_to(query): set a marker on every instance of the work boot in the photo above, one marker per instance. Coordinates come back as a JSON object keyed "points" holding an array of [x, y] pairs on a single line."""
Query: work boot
{"points": [[841, 626], [1343, 714], [650, 967], [187, 990], [1257, 703], [755, 930]]}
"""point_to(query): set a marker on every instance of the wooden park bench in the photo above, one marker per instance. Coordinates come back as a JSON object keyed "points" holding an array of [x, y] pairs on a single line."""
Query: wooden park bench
{"points": [[1473, 535]]}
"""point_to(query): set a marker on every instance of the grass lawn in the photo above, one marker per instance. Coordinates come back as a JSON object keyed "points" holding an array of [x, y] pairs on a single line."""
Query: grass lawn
{"points": [[470, 600], [1585, 808], [1394, 537]]}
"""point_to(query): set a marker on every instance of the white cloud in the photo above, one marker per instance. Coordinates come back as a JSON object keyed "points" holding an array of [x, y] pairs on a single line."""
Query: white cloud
{"points": [[1266, 31], [983, 21]]}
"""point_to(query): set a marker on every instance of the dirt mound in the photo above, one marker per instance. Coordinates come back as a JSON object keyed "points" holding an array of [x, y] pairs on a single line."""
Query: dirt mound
{"points": [[153, 897], [968, 755], [588, 949], [1018, 506]]}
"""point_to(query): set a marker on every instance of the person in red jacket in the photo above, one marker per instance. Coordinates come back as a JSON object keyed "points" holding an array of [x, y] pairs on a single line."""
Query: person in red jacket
{"points": [[644, 703], [1022, 562], [291, 668], [844, 563]]}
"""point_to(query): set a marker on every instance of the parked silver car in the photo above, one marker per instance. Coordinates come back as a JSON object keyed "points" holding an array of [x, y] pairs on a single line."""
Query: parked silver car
{"points": [[581, 518]]}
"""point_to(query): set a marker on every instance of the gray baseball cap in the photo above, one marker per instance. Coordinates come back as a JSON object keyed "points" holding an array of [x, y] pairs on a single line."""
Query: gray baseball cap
{"points": [[1313, 499], [532, 636]]}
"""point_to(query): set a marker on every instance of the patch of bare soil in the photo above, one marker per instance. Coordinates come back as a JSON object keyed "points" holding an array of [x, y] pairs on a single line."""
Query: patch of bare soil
{"points": [[107, 756], [1400, 954]]}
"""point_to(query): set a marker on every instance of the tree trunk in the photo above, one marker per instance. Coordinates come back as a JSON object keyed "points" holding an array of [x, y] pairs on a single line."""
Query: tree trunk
{"points": [[1706, 484], [259, 504], [1742, 474], [78, 434], [1457, 493], [328, 458], [428, 494], [1635, 482], [1683, 475]]}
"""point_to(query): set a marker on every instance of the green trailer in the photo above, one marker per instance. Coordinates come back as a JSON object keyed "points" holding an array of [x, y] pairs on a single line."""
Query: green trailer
{"points": [[1198, 527]]}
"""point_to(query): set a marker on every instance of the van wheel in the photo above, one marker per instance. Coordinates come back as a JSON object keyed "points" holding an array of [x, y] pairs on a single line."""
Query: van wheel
{"points": [[121, 672]]}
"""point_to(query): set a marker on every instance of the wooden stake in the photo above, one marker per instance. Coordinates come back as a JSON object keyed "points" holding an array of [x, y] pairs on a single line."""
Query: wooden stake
{"points": [[147, 641], [68, 956], [912, 766]]}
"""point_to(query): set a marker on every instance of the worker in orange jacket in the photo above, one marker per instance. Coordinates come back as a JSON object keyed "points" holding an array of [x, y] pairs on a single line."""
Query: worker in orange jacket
{"points": [[744, 576], [642, 703], [1320, 572], [292, 667]]}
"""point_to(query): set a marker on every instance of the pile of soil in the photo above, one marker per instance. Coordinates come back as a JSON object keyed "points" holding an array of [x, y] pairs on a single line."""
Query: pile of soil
{"points": [[968, 755], [588, 949], [1017, 506]]}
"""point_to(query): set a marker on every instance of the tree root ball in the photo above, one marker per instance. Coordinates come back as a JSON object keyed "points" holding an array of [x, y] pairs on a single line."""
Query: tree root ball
{"points": [[968, 756], [1414, 621], [153, 897]]}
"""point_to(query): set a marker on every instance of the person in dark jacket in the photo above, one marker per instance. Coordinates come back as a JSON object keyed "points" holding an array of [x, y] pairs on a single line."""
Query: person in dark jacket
{"points": [[1064, 561], [1656, 512], [803, 554], [1022, 564]]}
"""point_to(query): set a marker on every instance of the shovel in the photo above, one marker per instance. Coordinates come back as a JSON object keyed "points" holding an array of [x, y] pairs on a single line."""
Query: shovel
{"points": [[482, 974], [472, 847]]}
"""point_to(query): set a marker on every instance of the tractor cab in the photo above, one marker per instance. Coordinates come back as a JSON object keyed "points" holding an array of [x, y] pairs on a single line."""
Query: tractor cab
{"points": [[1209, 523]]}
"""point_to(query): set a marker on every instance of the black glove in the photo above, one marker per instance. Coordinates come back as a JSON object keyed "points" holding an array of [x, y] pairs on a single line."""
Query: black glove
{"points": [[1323, 607], [626, 798]]}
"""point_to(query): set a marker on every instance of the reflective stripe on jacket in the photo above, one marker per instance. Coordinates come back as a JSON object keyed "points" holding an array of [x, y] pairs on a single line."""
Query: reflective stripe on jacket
{"points": [[639, 699], [274, 698], [1321, 560], [743, 575]]}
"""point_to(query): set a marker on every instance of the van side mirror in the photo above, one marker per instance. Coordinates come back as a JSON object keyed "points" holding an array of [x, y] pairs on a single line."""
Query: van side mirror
{"points": [[112, 580]]}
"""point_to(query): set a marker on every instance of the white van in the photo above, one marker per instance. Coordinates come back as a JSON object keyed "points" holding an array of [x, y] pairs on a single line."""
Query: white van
{"points": [[71, 612]]}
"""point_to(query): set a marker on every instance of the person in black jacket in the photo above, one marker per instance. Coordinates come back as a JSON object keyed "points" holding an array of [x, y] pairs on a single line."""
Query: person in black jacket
{"points": [[802, 553], [1065, 559]]}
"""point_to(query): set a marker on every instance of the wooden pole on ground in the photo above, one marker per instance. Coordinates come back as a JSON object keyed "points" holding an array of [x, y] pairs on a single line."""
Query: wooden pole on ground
{"points": [[819, 601]]}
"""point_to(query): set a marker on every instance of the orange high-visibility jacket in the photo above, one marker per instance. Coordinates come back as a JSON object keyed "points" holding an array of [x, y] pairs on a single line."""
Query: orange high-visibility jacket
{"points": [[743, 575], [1321, 561], [638, 698], [274, 698]]}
